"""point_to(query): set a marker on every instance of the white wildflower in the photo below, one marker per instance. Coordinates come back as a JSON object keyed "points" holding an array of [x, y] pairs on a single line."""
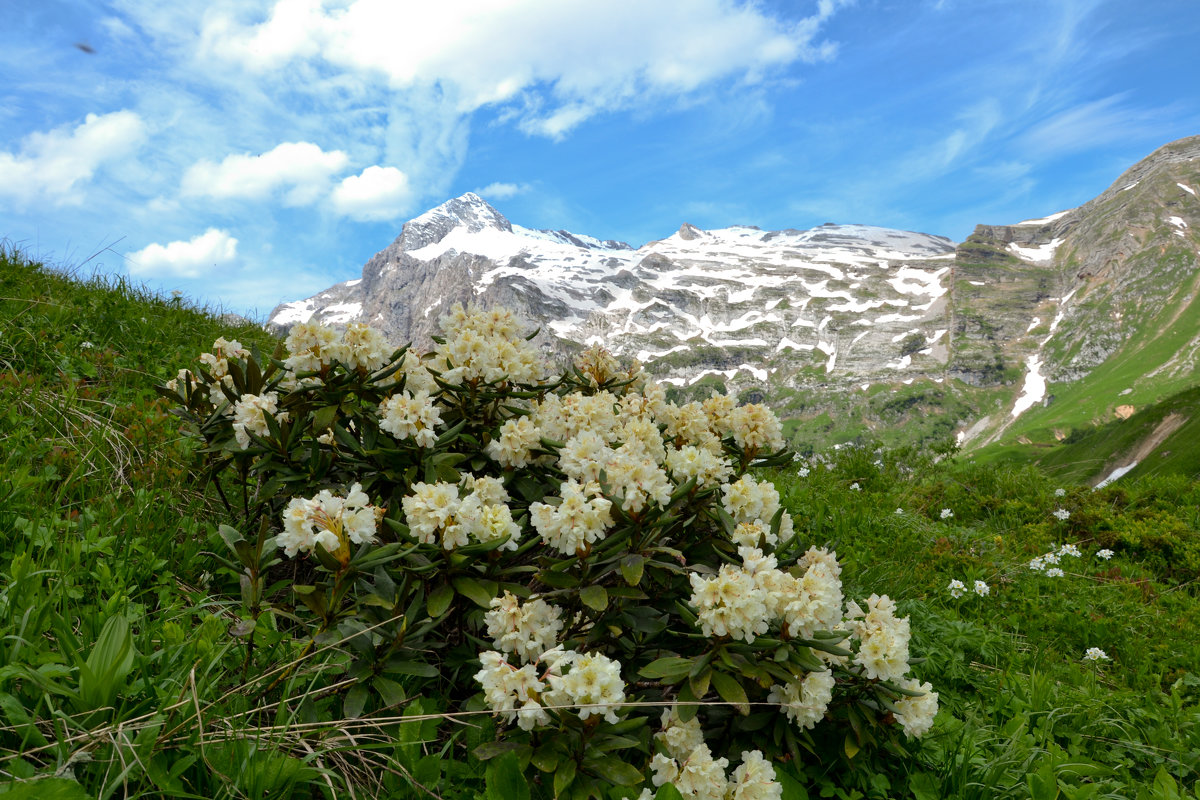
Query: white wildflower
{"points": [[805, 701], [947, 513], [1054, 572], [916, 714], [1095, 654], [1069, 550], [957, 588], [982, 589], [1062, 515], [1106, 554]]}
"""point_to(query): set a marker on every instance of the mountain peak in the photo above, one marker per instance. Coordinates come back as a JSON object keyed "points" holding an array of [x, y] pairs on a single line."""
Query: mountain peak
{"points": [[468, 212]]}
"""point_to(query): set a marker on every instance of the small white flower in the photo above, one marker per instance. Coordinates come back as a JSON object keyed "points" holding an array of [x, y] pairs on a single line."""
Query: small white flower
{"points": [[1037, 564], [1062, 515], [1051, 558], [86, 345], [957, 588], [982, 589], [1060, 492], [802, 472], [947, 513], [899, 510], [1106, 554], [854, 487], [1095, 654], [1054, 572], [1069, 550]]}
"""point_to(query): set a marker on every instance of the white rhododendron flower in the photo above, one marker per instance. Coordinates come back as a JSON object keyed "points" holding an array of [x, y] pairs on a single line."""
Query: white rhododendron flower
{"points": [[915, 714], [437, 513], [411, 416], [250, 414], [698, 775], [518, 436], [487, 346], [310, 347], [512, 692], [328, 520], [582, 517], [709, 469], [754, 779], [729, 604], [747, 500], [883, 638], [592, 684], [527, 629], [677, 737], [805, 701], [756, 428], [362, 347]]}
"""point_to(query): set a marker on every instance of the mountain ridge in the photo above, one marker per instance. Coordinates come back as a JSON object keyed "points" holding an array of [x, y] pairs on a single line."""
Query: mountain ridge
{"points": [[821, 321]]}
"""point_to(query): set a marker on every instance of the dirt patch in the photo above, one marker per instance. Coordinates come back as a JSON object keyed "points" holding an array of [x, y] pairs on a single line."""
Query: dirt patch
{"points": [[1125, 412], [1170, 423]]}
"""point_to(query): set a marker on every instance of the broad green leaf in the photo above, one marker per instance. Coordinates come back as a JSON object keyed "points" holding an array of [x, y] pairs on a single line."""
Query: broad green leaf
{"points": [[504, 780], [45, 789], [667, 792], [670, 669], [439, 600], [731, 691], [594, 597], [473, 590], [632, 567], [615, 771], [390, 692], [564, 776], [356, 700]]}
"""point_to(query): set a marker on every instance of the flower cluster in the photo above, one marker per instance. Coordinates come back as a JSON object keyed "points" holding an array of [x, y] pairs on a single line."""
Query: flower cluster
{"points": [[1062, 515], [411, 416], [330, 521], [438, 514], [957, 588], [485, 346], [688, 764], [1095, 654], [946, 513], [588, 683], [1047, 561]]}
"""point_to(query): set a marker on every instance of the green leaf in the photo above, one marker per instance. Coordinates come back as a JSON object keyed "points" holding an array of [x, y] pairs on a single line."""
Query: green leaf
{"points": [[557, 580], [439, 600], [416, 668], [390, 692], [111, 660], [545, 758], [594, 597], [564, 776], [504, 780], [670, 669], [489, 750], [632, 567], [615, 771], [667, 792], [323, 418], [473, 590], [699, 682], [355, 702], [851, 748], [731, 691]]}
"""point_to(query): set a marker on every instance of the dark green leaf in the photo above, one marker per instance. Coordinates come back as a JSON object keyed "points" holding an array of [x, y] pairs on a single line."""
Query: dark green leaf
{"points": [[564, 776], [472, 589], [731, 691], [615, 771], [356, 700], [439, 600], [670, 669], [632, 566], [504, 780]]}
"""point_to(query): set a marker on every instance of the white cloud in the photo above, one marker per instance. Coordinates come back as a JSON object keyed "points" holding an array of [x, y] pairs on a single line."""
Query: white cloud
{"points": [[187, 259], [502, 191], [303, 167], [560, 61], [377, 194], [51, 166], [1093, 124]]}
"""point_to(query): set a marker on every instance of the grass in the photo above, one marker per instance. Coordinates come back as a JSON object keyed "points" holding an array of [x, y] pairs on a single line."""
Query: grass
{"points": [[123, 671]]}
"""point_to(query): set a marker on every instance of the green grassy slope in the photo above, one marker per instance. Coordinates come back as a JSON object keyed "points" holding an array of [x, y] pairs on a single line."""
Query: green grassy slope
{"points": [[122, 673]]}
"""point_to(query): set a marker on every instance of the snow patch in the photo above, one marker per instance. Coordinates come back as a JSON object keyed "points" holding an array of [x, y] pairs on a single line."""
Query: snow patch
{"points": [[1116, 473], [294, 313], [1130, 186], [1177, 222], [1034, 390], [1043, 220], [1033, 324], [1042, 253], [1187, 189]]}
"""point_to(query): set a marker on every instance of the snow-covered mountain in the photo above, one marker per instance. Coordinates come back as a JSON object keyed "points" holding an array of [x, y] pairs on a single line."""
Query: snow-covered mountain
{"points": [[848, 329], [837, 296]]}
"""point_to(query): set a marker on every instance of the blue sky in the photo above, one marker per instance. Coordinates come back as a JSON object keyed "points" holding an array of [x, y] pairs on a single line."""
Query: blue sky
{"points": [[250, 152]]}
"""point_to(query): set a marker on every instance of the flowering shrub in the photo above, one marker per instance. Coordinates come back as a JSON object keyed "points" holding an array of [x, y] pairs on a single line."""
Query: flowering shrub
{"points": [[595, 566]]}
